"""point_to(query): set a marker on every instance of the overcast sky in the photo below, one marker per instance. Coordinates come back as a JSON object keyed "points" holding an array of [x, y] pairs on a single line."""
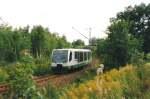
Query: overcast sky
{"points": [[61, 15]]}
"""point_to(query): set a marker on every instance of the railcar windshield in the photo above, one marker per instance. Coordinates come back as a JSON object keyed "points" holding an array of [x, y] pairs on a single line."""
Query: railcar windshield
{"points": [[60, 56]]}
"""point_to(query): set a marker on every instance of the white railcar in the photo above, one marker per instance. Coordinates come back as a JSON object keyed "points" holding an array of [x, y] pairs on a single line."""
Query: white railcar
{"points": [[70, 58]]}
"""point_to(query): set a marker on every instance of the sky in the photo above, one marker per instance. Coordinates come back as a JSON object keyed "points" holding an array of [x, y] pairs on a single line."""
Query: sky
{"points": [[61, 15]]}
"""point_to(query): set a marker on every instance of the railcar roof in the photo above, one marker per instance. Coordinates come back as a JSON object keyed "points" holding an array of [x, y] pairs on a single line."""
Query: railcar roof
{"points": [[74, 49]]}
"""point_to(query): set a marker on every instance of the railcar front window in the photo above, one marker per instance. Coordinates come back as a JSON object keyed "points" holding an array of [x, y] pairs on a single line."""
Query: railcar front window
{"points": [[60, 56]]}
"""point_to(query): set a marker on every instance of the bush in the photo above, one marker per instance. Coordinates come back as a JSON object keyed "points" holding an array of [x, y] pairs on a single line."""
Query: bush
{"points": [[148, 57], [130, 82], [42, 66], [3, 63], [137, 58], [27, 59], [51, 91], [3, 75], [42, 61], [42, 69], [21, 82], [144, 74]]}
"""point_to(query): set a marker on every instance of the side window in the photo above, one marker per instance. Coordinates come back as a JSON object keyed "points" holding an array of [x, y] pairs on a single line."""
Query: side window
{"points": [[76, 55], [81, 56], [70, 56], [85, 56]]}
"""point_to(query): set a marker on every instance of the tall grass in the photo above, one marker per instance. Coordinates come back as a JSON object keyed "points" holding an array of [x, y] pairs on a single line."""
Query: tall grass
{"points": [[128, 82], [42, 66]]}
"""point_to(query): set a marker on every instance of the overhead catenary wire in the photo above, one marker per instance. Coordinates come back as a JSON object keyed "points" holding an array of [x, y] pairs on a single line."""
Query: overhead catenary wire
{"points": [[80, 33], [89, 39], [3, 22]]}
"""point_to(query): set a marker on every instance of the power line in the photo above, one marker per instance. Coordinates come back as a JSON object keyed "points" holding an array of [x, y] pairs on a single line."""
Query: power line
{"points": [[89, 39], [6, 23], [2, 20], [80, 33]]}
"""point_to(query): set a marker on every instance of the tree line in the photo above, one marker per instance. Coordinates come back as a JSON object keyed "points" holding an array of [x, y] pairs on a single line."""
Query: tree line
{"points": [[128, 37], [127, 41], [38, 41]]}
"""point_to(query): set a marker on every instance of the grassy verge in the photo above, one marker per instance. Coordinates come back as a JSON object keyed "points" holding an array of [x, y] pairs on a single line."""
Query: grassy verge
{"points": [[53, 92], [128, 82]]}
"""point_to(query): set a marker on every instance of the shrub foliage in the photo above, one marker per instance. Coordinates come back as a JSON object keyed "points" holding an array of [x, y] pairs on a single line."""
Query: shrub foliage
{"points": [[115, 84]]}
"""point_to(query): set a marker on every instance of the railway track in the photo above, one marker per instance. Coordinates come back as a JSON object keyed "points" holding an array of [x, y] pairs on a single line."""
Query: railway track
{"points": [[43, 80], [56, 79], [39, 80], [4, 87]]}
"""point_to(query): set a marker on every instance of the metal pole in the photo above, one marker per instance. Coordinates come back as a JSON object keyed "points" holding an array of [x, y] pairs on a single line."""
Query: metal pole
{"points": [[90, 36]]}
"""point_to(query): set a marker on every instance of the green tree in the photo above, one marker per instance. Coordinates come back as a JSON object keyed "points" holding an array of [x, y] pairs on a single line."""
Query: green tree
{"points": [[101, 49], [62, 42], [139, 20], [21, 41], [39, 42], [12, 42], [78, 43], [118, 42], [43, 42], [6, 50], [38, 39]]}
